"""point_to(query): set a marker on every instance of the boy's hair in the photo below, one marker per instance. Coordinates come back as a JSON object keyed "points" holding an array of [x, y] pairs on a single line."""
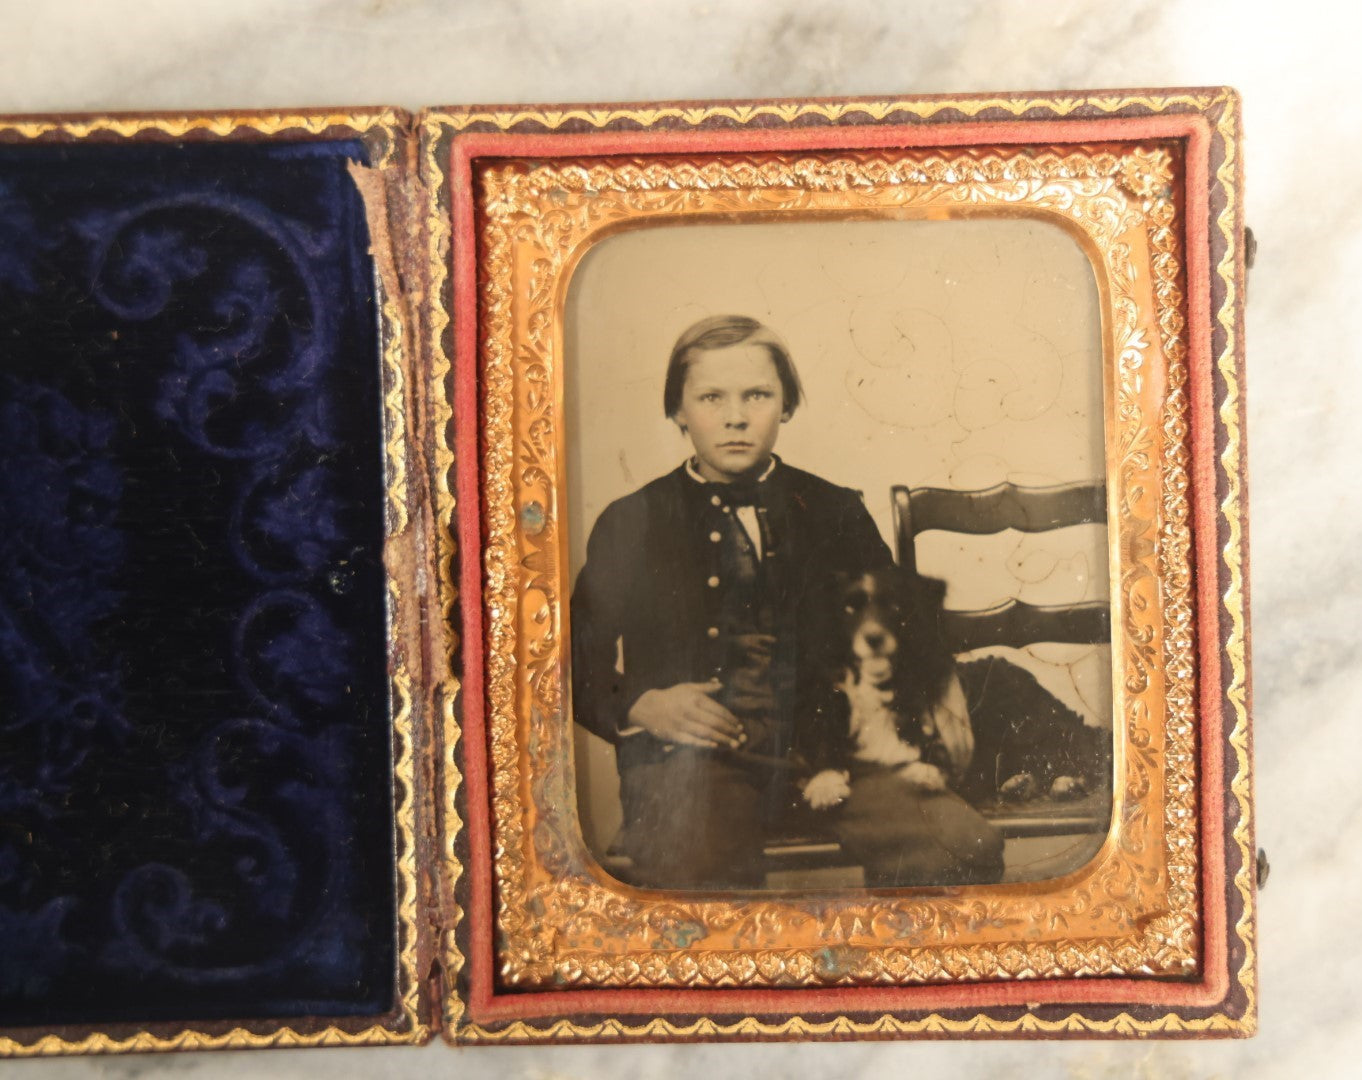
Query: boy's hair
{"points": [[720, 332]]}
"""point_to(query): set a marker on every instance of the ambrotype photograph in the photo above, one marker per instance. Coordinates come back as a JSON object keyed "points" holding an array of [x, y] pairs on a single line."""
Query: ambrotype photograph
{"points": [[837, 527]]}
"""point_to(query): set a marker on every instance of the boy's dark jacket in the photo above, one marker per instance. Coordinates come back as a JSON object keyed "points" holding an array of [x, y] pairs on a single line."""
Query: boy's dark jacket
{"points": [[644, 593]]}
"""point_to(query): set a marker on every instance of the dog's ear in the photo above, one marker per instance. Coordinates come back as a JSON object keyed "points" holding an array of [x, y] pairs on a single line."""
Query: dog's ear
{"points": [[824, 639], [826, 588], [841, 579], [933, 591], [829, 592], [924, 595]]}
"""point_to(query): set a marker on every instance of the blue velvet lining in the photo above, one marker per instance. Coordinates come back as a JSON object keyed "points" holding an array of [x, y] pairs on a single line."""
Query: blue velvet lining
{"points": [[195, 788]]}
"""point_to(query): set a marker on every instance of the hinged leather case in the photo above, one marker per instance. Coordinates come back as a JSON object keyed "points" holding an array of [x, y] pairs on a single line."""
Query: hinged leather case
{"points": [[287, 753]]}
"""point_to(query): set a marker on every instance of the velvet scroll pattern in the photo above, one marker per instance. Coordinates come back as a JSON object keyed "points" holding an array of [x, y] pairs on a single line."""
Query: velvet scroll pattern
{"points": [[195, 790]]}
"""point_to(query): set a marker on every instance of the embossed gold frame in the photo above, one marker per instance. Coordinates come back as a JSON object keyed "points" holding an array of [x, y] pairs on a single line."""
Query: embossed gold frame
{"points": [[1155, 935], [385, 133], [1134, 906]]}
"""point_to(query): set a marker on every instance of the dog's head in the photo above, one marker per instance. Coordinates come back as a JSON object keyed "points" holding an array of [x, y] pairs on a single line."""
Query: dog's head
{"points": [[890, 631]]}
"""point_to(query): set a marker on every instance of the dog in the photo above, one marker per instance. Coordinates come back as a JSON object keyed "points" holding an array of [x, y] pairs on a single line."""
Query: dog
{"points": [[897, 702], [985, 729]]}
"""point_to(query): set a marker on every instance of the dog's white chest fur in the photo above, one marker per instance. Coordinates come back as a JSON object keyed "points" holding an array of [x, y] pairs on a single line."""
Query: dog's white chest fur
{"points": [[873, 726]]}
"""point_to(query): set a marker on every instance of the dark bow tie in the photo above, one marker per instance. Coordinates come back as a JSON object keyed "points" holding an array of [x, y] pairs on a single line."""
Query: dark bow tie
{"points": [[739, 493]]}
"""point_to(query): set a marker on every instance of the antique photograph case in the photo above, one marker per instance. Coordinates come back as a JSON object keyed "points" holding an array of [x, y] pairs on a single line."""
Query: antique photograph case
{"points": [[689, 571]]}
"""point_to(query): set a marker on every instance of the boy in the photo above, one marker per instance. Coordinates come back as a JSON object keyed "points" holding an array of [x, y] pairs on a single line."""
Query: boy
{"points": [[691, 617]]}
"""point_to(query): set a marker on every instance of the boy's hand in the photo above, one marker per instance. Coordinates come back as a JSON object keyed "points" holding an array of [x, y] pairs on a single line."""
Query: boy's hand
{"points": [[687, 713]]}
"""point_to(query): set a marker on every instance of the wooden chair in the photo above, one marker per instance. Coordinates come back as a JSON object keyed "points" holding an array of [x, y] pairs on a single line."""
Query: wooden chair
{"points": [[1014, 623]]}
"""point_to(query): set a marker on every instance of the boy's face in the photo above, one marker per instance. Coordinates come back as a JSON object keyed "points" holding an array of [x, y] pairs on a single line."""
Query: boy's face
{"points": [[732, 408]]}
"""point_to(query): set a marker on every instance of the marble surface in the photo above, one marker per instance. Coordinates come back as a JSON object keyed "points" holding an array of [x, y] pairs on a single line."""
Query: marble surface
{"points": [[1298, 75]]}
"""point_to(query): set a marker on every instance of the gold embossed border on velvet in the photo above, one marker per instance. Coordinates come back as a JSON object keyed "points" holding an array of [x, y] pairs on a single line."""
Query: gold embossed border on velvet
{"points": [[563, 922], [383, 130]]}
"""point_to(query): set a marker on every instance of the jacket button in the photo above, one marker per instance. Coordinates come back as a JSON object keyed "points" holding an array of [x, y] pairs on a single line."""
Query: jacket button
{"points": [[713, 583], [715, 500], [713, 631], [715, 537]]}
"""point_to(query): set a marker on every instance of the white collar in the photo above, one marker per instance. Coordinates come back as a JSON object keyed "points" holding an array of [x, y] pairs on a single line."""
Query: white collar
{"points": [[694, 473]]}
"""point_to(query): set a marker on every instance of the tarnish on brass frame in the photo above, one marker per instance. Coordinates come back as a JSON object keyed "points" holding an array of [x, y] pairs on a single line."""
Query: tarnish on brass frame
{"points": [[383, 131], [1138, 910]]}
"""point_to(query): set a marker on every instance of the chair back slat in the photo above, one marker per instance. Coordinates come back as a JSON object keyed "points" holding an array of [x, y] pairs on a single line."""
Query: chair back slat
{"points": [[1019, 624], [991, 510], [1006, 506]]}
